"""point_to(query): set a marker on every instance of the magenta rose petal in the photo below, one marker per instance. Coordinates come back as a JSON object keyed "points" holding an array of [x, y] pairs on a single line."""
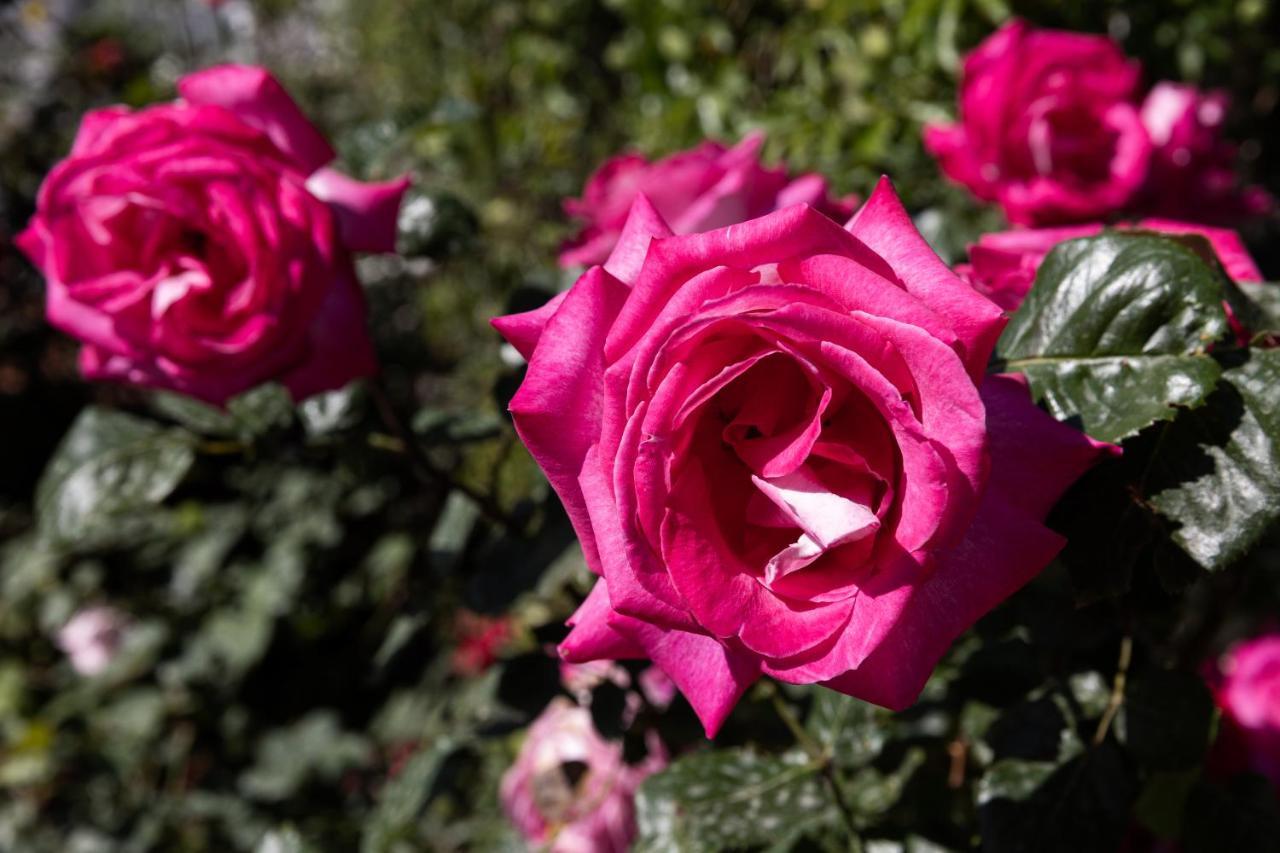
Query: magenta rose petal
{"points": [[1035, 458], [593, 637], [711, 675], [643, 225], [257, 97], [337, 352], [366, 211], [553, 416], [916, 622], [883, 224], [524, 330]]}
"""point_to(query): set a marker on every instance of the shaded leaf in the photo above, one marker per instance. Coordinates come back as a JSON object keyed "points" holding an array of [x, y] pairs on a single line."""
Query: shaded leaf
{"points": [[730, 798], [107, 476], [1217, 471]]}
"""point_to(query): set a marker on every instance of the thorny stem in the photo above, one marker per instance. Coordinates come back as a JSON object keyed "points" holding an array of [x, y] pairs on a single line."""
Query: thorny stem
{"points": [[423, 467], [1117, 690]]}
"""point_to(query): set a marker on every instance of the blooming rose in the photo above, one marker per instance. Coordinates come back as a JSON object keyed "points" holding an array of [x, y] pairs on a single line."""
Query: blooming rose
{"points": [[1003, 265], [570, 789], [480, 640], [708, 187], [1248, 692], [1049, 126], [781, 452], [91, 638], [202, 245], [1193, 174]]}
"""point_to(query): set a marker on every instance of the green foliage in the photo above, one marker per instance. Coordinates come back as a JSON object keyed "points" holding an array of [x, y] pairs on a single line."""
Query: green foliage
{"points": [[1116, 332]]}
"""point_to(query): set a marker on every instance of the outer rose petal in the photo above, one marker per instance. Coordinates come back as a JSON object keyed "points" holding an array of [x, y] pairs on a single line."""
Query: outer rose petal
{"points": [[1005, 547], [644, 224], [524, 330], [366, 212], [592, 637], [258, 98], [883, 224], [338, 346], [557, 409], [711, 675], [1034, 457]]}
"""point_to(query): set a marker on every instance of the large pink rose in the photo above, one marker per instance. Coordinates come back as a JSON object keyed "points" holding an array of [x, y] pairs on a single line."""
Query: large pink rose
{"points": [[1049, 126], [1248, 692], [1003, 265], [202, 245], [708, 187], [570, 791], [1193, 167], [782, 454]]}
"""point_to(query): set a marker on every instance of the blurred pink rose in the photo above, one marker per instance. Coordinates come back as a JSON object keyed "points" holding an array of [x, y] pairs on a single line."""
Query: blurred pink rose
{"points": [[781, 450], [91, 638], [707, 187], [1048, 126], [1002, 266], [1193, 168], [580, 679], [570, 791], [658, 688], [480, 639], [1247, 690], [203, 246]]}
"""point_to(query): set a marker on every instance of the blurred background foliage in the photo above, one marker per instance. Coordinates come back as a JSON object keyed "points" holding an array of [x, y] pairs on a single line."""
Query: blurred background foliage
{"points": [[300, 581]]}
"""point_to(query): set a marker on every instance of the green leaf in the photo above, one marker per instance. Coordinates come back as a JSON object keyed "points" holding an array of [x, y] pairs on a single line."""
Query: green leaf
{"points": [[315, 746], [108, 475], [1257, 305], [261, 410], [729, 799], [852, 730], [1217, 472], [1167, 716], [401, 800], [1115, 331]]}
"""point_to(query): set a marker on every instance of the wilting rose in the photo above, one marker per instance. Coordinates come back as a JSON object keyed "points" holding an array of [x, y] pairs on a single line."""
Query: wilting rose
{"points": [[1247, 690], [1193, 167], [1048, 126], [570, 791], [1003, 265], [203, 246], [707, 187], [91, 638], [781, 451]]}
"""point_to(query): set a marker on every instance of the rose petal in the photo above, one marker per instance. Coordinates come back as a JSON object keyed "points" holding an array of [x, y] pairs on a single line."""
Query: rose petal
{"points": [[366, 212]]}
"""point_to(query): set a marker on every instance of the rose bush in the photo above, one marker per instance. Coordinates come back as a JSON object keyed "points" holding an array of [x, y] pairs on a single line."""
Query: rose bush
{"points": [[781, 452], [570, 790], [1002, 265], [204, 246], [697, 190], [1049, 126]]}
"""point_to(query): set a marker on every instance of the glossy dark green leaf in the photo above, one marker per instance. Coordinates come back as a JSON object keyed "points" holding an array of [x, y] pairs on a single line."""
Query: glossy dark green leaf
{"points": [[1217, 472], [1114, 334], [729, 799], [108, 475]]}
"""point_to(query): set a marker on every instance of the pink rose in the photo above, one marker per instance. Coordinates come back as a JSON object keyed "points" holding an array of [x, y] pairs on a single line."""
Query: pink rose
{"points": [[1193, 168], [570, 789], [1049, 126], [1248, 692], [782, 454], [203, 246], [1003, 265], [91, 638], [708, 187]]}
